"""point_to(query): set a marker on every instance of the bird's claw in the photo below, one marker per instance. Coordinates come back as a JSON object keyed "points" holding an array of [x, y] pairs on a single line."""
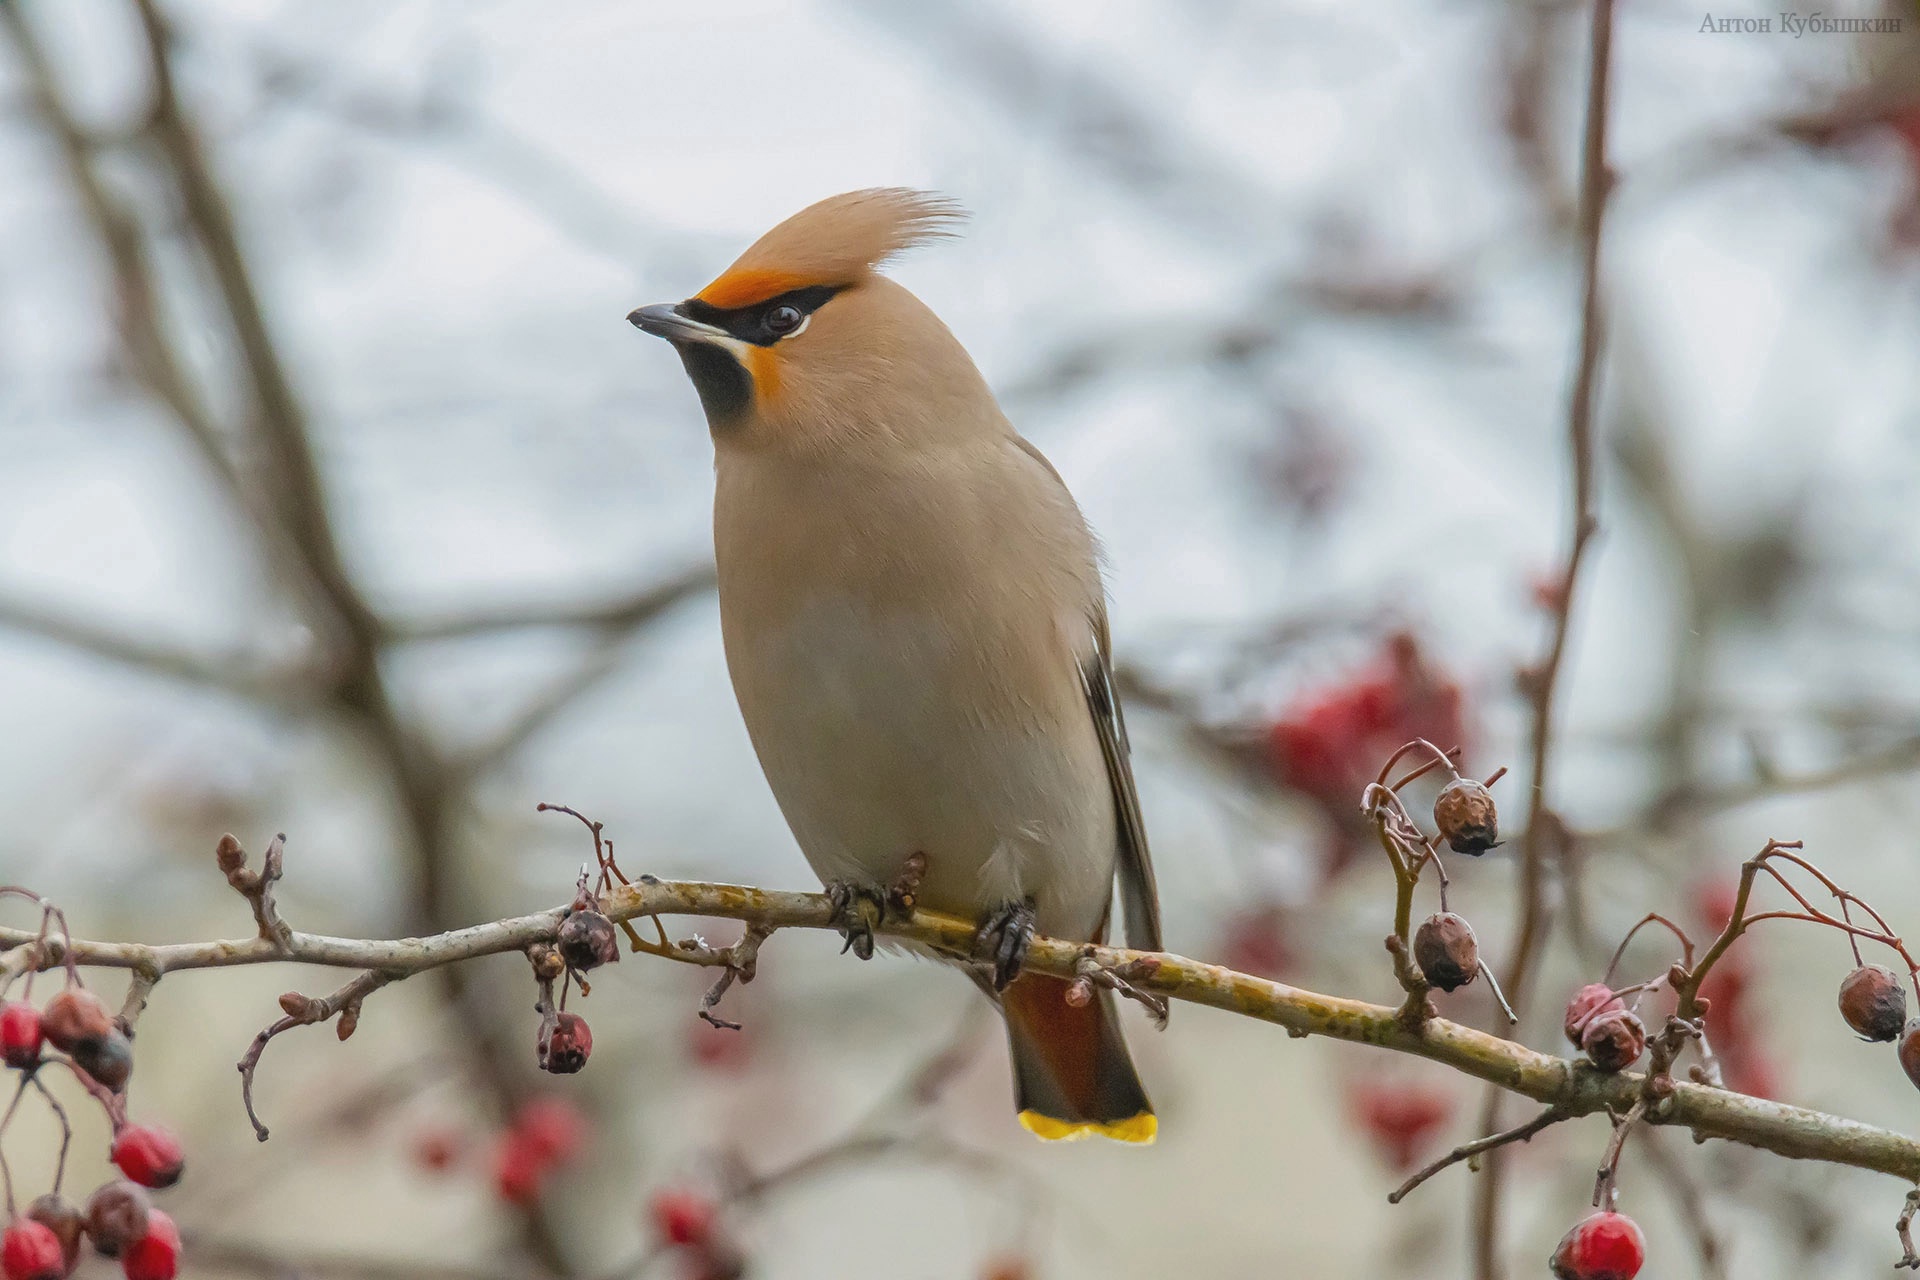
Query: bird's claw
{"points": [[1003, 940], [858, 910]]}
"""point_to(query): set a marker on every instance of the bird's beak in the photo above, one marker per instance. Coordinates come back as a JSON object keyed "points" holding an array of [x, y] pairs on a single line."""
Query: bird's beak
{"points": [[666, 320]]}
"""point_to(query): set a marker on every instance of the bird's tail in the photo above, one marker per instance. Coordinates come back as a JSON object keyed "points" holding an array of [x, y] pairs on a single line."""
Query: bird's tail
{"points": [[1072, 1074]]}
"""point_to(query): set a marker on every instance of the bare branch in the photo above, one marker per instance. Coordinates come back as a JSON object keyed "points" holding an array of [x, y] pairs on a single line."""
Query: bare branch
{"points": [[622, 613], [1572, 1087]]}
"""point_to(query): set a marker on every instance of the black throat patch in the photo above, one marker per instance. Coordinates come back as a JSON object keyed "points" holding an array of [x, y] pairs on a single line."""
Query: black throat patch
{"points": [[725, 388]]}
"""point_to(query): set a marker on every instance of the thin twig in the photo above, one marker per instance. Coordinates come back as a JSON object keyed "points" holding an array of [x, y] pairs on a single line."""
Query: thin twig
{"points": [[1596, 181], [1468, 1150]]}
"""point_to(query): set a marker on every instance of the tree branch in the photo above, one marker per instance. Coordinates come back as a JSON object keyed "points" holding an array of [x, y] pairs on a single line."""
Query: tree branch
{"points": [[1572, 1088]]}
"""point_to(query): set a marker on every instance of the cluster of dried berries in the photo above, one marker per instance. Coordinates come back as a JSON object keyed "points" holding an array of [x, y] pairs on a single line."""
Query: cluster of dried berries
{"points": [[1599, 1024], [74, 1031], [587, 940], [74, 1023], [1444, 947]]}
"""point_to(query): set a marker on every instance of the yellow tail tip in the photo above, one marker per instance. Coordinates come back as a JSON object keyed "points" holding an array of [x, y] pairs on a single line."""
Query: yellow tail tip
{"points": [[1141, 1129]]}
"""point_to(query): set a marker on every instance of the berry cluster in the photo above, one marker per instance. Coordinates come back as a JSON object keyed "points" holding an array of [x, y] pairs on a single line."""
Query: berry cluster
{"points": [[74, 1032], [1324, 745], [1443, 954], [1708, 994], [586, 940], [545, 1136]]}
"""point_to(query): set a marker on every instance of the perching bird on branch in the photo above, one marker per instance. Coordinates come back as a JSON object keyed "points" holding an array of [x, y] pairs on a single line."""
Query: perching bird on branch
{"points": [[916, 629]]}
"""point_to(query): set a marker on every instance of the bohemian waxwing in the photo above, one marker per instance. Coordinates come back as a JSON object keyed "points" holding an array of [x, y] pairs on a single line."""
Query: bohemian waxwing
{"points": [[916, 629]]}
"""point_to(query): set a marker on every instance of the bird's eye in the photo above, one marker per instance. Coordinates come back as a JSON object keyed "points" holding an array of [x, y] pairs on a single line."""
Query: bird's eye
{"points": [[783, 319]]}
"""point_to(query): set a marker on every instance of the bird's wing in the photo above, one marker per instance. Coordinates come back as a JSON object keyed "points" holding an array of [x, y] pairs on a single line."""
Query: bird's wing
{"points": [[1139, 895]]}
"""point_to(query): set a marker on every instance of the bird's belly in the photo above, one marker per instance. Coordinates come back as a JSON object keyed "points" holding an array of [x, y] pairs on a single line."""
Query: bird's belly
{"points": [[885, 735]]}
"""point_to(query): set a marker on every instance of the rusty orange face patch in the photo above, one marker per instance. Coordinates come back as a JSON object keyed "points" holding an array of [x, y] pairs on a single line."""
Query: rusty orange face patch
{"points": [[744, 288], [763, 363]]}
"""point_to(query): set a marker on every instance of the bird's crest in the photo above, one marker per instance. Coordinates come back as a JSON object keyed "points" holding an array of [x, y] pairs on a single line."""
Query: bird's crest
{"points": [[834, 243]]}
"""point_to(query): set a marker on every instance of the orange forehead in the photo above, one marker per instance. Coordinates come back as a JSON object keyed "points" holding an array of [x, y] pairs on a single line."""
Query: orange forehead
{"points": [[746, 287]]}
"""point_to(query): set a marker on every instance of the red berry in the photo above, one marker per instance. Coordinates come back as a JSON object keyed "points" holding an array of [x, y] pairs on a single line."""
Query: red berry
{"points": [[567, 1046], [519, 1171], [20, 1034], [1011, 1267], [30, 1251], [1328, 745], [156, 1255], [1401, 1118], [683, 1218], [149, 1155], [75, 1018], [61, 1218], [1605, 1246], [552, 1129]]}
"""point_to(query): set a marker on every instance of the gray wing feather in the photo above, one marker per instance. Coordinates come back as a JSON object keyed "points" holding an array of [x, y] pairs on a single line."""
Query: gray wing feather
{"points": [[1139, 895]]}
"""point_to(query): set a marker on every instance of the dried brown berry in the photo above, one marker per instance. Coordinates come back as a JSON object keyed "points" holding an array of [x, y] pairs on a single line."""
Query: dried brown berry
{"points": [[108, 1060], [1588, 1003], [61, 1218], [587, 940], [1446, 951], [1910, 1051], [117, 1216], [1874, 1003], [1468, 820], [567, 1046], [75, 1017], [1614, 1040]]}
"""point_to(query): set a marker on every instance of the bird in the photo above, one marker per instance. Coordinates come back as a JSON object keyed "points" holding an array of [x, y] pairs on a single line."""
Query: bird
{"points": [[914, 619]]}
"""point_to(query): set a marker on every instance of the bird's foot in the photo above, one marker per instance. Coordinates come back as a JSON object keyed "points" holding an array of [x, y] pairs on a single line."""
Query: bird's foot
{"points": [[1003, 940], [858, 910]]}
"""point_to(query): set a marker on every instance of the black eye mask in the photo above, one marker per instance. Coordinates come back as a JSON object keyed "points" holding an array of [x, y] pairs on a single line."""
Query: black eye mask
{"points": [[749, 324]]}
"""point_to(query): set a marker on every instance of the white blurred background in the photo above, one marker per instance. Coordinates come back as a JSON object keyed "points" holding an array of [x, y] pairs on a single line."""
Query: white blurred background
{"points": [[1288, 292]]}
